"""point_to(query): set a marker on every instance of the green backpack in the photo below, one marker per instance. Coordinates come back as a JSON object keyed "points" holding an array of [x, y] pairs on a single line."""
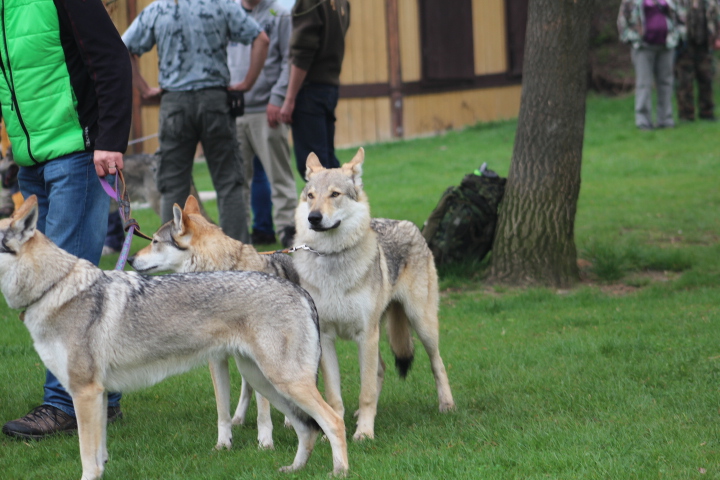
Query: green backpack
{"points": [[462, 226]]}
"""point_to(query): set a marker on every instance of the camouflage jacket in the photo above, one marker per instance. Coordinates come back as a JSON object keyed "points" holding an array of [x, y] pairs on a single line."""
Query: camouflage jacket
{"points": [[631, 23], [712, 14]]}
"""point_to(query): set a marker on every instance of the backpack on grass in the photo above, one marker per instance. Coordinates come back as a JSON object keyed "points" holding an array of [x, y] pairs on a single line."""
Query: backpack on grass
{"points": [[462, 226]]}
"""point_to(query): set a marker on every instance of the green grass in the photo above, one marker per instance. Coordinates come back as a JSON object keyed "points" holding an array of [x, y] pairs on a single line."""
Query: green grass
{"points": [[615, 379]]}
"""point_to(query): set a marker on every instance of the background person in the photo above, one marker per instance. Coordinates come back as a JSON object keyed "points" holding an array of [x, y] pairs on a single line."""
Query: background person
{"points": [[260, 131], [695, 58], [654, 29], [68, 110], [193, 89], [317, 48]]}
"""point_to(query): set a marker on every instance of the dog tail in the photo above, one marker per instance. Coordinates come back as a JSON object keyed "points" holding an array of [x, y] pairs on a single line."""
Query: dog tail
{"points": [[400, 336]]}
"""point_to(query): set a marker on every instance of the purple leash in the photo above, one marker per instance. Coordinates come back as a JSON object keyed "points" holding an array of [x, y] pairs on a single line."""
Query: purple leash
{"points": [[130, 225]]}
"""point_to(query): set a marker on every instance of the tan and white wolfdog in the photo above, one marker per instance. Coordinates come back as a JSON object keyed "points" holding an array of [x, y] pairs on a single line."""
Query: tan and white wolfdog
{"points": [[190, 243], [364, 269], [102, 330]]}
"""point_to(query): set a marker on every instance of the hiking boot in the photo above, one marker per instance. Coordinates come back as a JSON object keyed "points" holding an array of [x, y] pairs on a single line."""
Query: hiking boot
{"points": [[287, 236], [262, 238], [46, 420]]}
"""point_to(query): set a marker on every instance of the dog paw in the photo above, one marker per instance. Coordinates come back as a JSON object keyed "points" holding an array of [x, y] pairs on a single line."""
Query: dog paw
{"points": [[447, 407], [266, 444], [238, 421], [224, 445], [361, 436], [340, 472], [288, 423], [288, 469]]}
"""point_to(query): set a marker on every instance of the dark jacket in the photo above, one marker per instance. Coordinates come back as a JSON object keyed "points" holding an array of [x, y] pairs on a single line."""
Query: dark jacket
{"points": [[317, 44]]}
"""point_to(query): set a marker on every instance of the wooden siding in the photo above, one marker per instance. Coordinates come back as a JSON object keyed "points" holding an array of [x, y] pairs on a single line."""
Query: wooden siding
{"points": [[434, 113], [366, 58], [489, 36], [368, 120], [409, 40]]}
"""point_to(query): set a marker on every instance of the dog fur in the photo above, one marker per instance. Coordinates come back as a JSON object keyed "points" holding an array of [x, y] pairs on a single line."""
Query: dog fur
{"points": [[365, 269], [190, 243], [112, 330]]}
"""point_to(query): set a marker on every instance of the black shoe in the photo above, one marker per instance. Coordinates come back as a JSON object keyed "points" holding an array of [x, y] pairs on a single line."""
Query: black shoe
{"points": [[261, 238], [45, 421], [287, 236]]}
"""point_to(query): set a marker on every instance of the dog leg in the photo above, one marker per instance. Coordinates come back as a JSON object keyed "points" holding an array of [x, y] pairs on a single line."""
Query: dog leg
{"points": [[103, 423], [88, 403], [306, 442], [309, 399], [331, 374], [221, 382], [264, 422], [246, 392], [368, 349], [426, 326]]}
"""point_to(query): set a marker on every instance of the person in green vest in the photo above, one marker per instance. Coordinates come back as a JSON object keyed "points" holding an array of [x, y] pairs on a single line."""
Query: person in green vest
{"points": [[66, 95]]}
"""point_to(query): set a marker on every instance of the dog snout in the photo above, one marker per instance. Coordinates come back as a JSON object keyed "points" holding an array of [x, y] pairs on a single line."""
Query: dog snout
{"points": [[315, 218]]}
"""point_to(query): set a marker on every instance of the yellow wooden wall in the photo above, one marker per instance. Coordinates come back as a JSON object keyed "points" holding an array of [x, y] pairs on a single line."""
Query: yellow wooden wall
{"points": [[367, 120], [434, 113]]}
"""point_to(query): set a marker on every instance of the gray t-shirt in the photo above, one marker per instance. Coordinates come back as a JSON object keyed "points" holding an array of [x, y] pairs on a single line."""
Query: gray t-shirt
{"points": [[192, 38]]}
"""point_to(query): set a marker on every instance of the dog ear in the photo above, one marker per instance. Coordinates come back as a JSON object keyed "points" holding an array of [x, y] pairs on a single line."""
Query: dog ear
{"points": [[353, 168], [312, 166], [24, 220], [191, 205], [178, 219]]}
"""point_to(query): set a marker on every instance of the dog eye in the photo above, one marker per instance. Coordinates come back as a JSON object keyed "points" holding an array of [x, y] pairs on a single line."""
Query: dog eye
{"points": [[154, 241], [335, 194], [310, 196]]}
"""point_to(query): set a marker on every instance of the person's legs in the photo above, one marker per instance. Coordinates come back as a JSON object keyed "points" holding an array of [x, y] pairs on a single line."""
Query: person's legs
{"points": [[273, 150], [685, 89], [704, 72], [309, 126], [261, 200], [72, 208], [178, 141], [227, 170], [664, 61], [331, 99], [643, 59]]}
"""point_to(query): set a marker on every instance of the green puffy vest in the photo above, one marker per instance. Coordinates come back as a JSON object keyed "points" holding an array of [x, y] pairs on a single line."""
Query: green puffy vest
{"points": [[38, 102]]}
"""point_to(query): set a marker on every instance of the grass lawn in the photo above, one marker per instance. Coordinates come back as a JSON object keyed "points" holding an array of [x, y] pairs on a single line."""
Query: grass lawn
{"points": [[617, 378]]}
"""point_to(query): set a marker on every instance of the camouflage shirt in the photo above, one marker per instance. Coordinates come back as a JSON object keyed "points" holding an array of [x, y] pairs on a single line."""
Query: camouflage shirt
{"points": [[192, 38], [631, 23], [712, 16]]}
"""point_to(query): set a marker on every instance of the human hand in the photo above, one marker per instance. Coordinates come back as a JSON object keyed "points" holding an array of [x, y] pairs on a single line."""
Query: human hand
{"points": [[107, 163], [240, 87], [152, 95], [273, 115], [287, 110]]}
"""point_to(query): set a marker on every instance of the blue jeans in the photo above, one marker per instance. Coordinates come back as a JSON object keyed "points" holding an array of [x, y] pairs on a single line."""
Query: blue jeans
{"points": [[261, 199], [73, 213], [313, 125]]}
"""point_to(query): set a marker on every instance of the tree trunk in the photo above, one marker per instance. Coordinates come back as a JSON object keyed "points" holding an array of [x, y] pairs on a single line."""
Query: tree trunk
{"points": [[534, 241]]}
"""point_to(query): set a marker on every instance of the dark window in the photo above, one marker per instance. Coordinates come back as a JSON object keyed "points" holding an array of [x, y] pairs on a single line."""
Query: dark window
{"points": [[446, 31], [516, 24]]}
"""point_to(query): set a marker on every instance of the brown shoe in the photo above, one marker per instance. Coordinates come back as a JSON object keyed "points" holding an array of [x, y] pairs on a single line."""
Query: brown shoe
{"points": [[46, 420], [41, 422]]}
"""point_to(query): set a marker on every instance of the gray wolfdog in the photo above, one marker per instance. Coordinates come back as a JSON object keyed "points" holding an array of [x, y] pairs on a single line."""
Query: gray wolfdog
{"points": [[365, 269], [102, 330], [190, 243]]}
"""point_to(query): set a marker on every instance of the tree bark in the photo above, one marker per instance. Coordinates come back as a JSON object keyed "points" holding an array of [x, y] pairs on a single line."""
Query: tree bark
{"points": [[534, 241]]}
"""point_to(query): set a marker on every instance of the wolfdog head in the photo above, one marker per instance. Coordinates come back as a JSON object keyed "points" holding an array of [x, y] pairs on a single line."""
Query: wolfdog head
{"points": [[333, 208], [16, 231], [173, 246]]}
